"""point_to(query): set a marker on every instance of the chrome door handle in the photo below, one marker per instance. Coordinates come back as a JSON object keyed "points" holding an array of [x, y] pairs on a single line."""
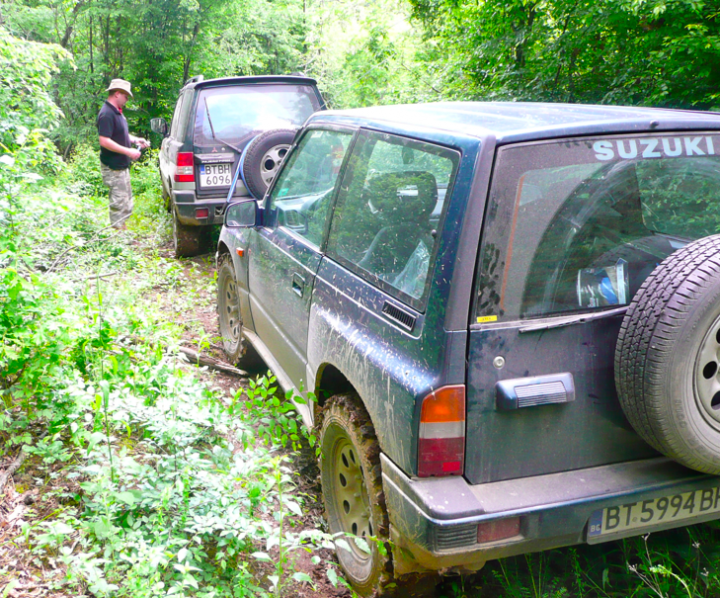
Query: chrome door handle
{"points": [[298, 284]]}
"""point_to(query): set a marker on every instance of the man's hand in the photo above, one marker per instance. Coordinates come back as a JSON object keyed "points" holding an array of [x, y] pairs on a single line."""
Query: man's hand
{"points": [[140, 142], [111, 145]]}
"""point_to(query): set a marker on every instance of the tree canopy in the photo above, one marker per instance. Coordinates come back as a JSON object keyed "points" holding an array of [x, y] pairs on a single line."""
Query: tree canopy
{"points": [[658, 52], [648, 52]]}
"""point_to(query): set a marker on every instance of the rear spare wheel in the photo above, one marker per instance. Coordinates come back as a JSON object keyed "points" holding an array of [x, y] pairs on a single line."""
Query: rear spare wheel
{"points": [[667, 358], [262, 157]]}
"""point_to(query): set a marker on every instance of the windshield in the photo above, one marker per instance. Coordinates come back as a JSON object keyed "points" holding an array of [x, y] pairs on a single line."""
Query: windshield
{"points": [[239, 113], [578, 225]]}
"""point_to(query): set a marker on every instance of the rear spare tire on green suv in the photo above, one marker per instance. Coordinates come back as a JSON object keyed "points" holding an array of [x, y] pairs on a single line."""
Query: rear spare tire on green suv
{"points": [[667, 359]]}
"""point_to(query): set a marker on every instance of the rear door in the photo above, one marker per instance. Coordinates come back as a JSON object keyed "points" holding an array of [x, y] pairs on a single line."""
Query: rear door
{"points": [[573, 228], [228, 117], [286, 252]]}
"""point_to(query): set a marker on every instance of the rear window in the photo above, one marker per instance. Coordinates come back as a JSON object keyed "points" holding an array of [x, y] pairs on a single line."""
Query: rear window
{"points": [[577, 225], [239, 113]]}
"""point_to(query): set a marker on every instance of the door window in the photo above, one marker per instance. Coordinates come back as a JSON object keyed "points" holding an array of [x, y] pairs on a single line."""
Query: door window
{"points": [[575, 226], [302, 195], [389, 206], [175, 126]]}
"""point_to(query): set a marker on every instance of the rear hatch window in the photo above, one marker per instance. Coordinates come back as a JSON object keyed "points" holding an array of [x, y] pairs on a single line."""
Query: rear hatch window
{"points": [[237, 114], [578, 225]]}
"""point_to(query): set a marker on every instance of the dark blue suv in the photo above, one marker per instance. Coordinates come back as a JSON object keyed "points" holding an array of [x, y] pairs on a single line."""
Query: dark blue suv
{"points": [[510, 314]]}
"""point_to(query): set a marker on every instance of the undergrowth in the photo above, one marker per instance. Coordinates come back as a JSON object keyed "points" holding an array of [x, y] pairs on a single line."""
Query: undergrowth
{"points": [[161, 488], [164, 486]]}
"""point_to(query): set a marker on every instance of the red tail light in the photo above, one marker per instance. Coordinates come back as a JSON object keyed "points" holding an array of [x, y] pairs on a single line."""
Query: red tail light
{"points": [[441, 444], [185, 172], [492, 531]]}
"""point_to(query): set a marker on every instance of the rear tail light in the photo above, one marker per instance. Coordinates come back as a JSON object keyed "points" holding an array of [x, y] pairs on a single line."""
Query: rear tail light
{"points": [[492, 531], [202, 213], [185, 172], [441, 445]]}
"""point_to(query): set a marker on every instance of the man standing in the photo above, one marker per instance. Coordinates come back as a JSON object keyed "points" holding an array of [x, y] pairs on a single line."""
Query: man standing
{"points": [[116, 151]]}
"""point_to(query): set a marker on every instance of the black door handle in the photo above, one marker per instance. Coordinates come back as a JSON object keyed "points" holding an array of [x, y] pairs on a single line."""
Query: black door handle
{"points": [[298, 284]]}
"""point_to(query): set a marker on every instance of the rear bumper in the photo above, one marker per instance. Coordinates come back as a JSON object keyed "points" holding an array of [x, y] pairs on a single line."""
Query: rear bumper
{"points": [[434, 520], [187, 206]]}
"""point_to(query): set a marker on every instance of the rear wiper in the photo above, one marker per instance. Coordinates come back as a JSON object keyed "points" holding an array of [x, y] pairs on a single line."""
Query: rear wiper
{"points": [[212, 130]]}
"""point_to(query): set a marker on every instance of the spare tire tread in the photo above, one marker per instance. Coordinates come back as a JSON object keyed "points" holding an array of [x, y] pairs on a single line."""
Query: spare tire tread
{"points": [[648, 337], [253, 154]]}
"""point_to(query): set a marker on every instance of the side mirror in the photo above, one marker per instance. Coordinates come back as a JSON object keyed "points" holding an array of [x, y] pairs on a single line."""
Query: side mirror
{"points": [[159, 126], [243, 214]]}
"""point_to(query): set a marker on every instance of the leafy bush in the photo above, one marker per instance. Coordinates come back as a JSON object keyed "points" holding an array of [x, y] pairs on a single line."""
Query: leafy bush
{"points": [[26, 108]]}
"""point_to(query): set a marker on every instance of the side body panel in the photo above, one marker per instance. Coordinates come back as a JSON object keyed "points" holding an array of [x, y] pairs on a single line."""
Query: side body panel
{"points": [[391, 368], [173, 143], [281, 277]]}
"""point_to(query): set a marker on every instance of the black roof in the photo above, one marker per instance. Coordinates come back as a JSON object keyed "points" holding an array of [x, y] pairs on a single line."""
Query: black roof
{"points": [[254, 80]]}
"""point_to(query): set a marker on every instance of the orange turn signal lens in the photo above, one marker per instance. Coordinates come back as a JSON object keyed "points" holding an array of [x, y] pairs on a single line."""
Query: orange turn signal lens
{"points": [[240, 251], [447, 404]]}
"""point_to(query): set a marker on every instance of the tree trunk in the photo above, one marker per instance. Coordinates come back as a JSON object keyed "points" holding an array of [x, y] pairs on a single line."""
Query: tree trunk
{"points": [[188, 57], [69, 27], [525, 29], [90, 33], [106, 35]]}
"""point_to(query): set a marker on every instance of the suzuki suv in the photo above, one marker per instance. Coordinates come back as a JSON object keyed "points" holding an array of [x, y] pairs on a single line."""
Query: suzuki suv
{"points": [[224, 127], [509, 314]]}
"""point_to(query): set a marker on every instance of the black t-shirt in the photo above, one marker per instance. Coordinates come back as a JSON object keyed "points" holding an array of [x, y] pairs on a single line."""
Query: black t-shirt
{"points": [[111, 123]]}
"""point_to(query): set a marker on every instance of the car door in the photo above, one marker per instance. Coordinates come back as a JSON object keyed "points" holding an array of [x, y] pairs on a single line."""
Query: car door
{"points": [[567, 243], [285, 253], [172, 143]]}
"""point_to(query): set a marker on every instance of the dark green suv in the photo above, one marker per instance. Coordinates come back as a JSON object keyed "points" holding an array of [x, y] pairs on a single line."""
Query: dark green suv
{"points": [[220, 126], [510, 314]]}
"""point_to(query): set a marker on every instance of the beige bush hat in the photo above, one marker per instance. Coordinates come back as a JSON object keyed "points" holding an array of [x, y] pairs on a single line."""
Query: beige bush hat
{"points": [[121, 85]]}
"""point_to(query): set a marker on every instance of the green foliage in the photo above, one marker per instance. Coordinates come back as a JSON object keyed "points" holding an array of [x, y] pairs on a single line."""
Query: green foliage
{"points": [[272, 417], [165, 504], [27, 113], [367, 53], [26, 106], [621, 52]]}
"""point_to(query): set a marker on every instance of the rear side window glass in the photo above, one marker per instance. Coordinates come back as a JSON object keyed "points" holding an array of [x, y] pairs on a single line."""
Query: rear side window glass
{"points": [[388, 210], [576, 226], [175, 126], [239, 113], [302, 196]]}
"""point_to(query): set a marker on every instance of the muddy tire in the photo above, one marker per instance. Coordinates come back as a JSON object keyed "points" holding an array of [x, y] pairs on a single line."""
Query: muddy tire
{"points": [[352, 492], [667, 368], [262, 158], [237, 350], [189, 241], [355, 503], [165, 198]]}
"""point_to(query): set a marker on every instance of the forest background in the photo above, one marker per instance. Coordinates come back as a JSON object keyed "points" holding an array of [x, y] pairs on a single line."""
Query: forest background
{"points": [[134, 467], [642, 52]]}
